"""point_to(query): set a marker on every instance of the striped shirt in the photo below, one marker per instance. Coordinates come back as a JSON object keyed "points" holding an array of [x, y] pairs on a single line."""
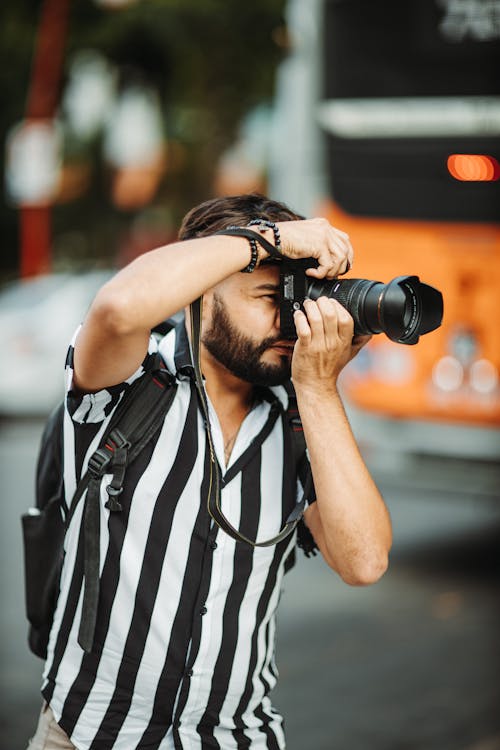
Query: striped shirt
{"points": [[183, 653]]}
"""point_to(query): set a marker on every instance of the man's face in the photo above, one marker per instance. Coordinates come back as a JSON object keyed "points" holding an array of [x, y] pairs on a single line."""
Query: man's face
{"points": [[244, 334]]}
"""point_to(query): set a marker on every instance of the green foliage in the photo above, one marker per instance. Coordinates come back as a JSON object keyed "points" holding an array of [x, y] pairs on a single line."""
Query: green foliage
{"points": [[210, 61]]}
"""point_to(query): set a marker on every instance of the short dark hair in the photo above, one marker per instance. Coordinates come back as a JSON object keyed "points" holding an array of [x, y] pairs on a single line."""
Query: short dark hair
{"points": [[219, 213]]}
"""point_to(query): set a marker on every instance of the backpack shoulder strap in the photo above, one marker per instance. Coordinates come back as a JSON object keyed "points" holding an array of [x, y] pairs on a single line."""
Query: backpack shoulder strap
{"points": [[136, 420]]}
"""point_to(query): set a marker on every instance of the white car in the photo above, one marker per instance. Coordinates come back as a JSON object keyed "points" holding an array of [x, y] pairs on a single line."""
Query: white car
{"points": [[37, 320]]}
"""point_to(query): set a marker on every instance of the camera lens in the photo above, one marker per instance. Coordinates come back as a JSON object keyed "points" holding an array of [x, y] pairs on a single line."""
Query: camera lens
{"points": [[402, 309], [359, 296], [407, 313]]}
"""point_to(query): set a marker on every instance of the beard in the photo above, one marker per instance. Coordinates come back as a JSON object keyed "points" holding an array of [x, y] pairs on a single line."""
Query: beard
{"points": [[240, 354]]}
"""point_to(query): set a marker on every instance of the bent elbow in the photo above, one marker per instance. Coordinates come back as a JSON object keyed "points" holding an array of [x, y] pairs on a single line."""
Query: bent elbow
{"points": [[112, 312], [366, 572]]}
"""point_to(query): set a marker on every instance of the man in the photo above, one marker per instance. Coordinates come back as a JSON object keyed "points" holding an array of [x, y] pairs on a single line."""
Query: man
{"points": [[182, 655]]}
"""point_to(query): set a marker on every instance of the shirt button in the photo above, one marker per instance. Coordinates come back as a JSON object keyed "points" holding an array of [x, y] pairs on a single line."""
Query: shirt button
{"points": [[189, 673], [213, 545], [203, 611]]}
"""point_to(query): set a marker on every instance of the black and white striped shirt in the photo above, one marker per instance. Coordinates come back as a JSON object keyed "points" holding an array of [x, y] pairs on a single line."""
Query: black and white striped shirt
{"points": [[183, 654]]}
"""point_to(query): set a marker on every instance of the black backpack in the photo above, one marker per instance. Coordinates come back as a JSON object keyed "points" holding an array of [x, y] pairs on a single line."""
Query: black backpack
{"points": [[137, 419]]}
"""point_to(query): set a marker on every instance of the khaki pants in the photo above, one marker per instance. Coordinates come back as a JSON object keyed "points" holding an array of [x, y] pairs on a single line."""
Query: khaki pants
{"points": [[49, 735]]}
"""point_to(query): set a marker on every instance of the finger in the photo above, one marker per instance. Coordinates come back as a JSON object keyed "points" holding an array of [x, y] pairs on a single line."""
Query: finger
{"points": [[319, 272], [315, 320], [347, 267], [328, 265], [341, 241], [335, 260], [343, 250], [345, 322], [328, 310], [334, 253], [302, 326]]}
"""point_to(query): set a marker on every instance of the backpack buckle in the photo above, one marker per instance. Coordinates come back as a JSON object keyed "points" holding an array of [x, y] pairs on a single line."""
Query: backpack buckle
{"points": [[112, 503], [98, 462]]}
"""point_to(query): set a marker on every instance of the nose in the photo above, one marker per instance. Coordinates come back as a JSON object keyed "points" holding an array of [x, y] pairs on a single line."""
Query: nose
{"points": [[277, 319]]}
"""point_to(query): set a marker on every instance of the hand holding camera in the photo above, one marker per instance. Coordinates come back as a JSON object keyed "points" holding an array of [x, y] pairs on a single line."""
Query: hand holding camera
{"points": [[325, 344], [319, 240]]}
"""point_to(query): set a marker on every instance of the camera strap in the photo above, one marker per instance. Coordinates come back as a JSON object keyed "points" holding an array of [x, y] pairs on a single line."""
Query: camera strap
{"points": [[250, 234], [215, 478]]}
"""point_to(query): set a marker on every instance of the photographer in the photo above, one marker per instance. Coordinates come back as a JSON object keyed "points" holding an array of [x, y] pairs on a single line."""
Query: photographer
{"points": [[183, 650]]}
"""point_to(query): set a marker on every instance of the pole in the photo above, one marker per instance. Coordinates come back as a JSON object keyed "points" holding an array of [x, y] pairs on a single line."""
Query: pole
{"points": [[42, 100]]}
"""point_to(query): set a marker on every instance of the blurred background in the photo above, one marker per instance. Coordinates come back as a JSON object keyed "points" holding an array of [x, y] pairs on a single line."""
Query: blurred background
{"points": [[117, 116]]}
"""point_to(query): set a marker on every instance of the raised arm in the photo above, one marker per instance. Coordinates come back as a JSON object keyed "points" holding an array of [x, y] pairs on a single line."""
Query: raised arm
{"points": [[349, 521], [114, 337]]}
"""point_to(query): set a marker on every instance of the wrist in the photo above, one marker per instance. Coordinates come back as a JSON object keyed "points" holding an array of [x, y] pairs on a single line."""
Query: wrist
{"points": [[315, 393], [269, 232], [259, 244], [262, 254]]}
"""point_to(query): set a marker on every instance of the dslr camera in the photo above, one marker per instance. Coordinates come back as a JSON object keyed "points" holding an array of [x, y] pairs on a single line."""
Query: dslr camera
{"points": [[403, 309]]}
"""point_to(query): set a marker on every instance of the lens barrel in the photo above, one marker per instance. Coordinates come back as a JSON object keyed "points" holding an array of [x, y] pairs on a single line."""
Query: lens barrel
{"points": [[403, 309]]}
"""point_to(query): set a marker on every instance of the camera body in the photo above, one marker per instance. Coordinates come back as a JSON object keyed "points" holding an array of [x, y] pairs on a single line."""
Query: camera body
{"points": [[403, 309]]}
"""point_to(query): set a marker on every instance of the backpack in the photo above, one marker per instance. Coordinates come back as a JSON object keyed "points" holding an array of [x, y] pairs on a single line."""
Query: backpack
{"points": [[137, 419]]}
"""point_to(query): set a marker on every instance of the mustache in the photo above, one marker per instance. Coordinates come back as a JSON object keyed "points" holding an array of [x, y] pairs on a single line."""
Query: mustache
{"points": [[272, 341]]}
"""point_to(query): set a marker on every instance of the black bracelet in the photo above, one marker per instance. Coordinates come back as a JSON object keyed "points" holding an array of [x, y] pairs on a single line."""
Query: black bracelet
{"points": [[253, 238], [268, 225], [253, 256]]}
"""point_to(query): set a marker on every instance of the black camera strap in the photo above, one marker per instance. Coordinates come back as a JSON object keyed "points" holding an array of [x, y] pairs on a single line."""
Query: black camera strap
{"points": [[249, 234], [215, 479]]}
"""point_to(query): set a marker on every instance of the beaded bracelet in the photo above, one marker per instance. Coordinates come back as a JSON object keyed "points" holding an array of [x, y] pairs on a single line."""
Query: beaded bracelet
{"points": [[254, 257], [265, 223], [253, 250]]}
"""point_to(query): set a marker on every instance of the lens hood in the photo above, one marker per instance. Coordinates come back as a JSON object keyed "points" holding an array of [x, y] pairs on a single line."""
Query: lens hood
{"points": [[409, 308]]}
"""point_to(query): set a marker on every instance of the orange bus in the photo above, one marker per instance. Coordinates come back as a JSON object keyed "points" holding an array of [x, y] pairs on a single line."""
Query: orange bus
{"points": [[393, 129]]}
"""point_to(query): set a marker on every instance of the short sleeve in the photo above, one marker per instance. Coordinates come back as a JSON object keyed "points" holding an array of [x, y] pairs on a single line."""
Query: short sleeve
{"points": [[93, 408]]}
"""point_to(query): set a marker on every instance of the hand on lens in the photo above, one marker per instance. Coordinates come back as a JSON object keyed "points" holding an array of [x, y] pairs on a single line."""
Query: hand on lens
{"points": [[317, 238], [325, 344]]}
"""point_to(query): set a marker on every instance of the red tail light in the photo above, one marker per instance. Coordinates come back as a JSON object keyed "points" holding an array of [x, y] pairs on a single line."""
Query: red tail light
{"points": [[473, 167]]}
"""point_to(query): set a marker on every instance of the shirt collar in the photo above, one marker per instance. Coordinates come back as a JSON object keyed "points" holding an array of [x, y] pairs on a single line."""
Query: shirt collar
{"points": [[176, 352]]}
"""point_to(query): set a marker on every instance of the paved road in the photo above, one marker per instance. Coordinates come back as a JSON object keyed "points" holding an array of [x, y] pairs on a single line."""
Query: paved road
{"points": [[409, 664]]}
